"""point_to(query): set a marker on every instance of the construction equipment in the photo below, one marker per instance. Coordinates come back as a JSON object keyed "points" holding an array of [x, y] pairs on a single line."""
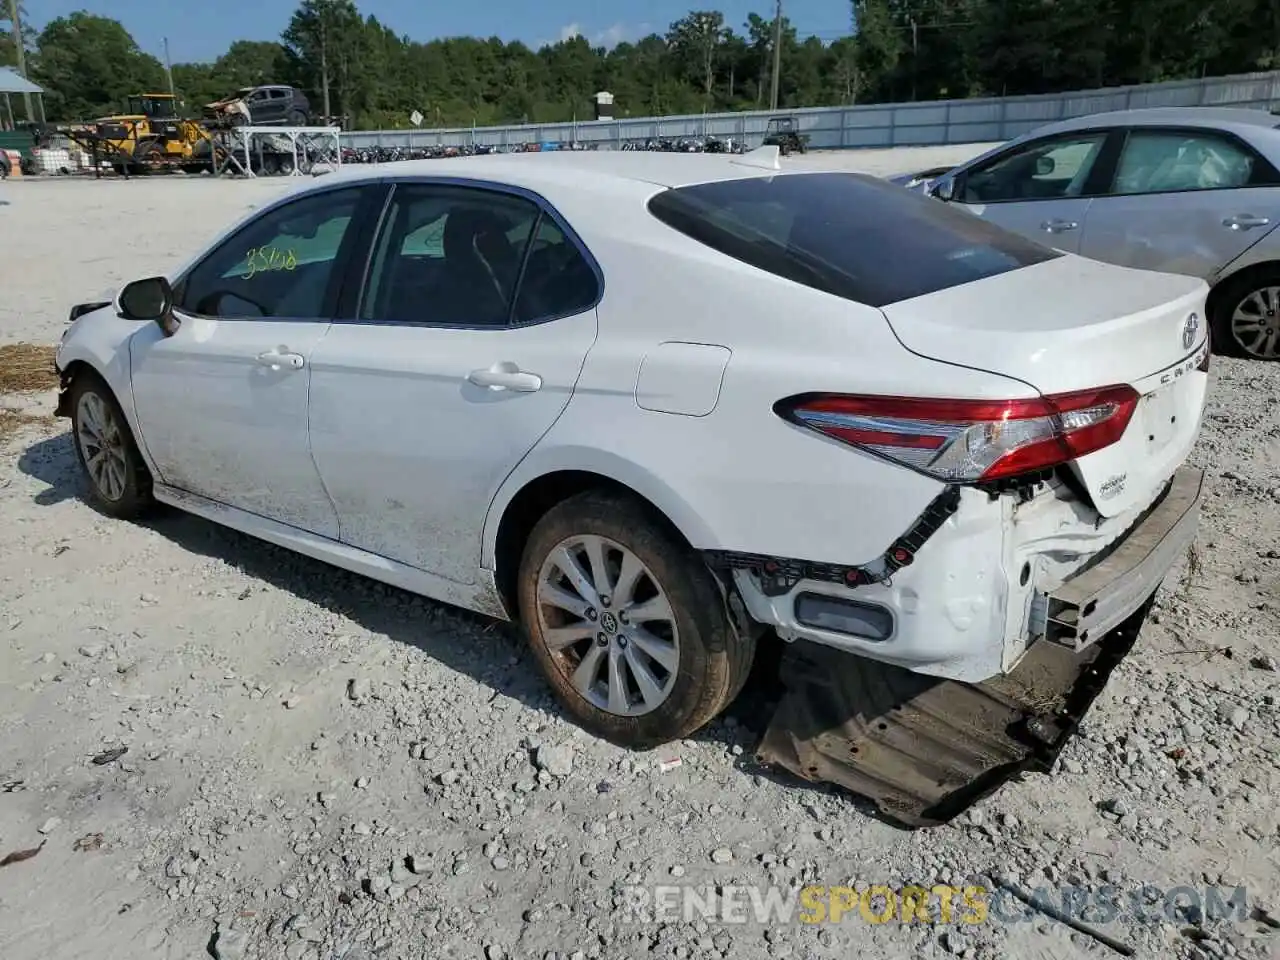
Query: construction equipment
{"points": [[153, 132]]}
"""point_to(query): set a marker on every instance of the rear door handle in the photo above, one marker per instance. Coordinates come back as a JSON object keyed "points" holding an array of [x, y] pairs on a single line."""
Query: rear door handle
{"points": [[1059, 226], [1245, 221], [506, 376], [280, 360]]}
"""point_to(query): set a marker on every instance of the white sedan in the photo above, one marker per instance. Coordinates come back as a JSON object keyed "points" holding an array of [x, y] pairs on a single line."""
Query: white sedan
{"points": [[652, 405]]}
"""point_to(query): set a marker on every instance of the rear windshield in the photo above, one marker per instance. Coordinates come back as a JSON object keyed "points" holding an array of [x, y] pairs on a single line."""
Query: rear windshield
{"points": [[854, 236]]}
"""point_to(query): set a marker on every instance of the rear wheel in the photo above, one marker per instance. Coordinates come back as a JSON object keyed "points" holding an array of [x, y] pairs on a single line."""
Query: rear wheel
{"points": [[119, 482], [627, 623], [1246, 319], [4, 165]]}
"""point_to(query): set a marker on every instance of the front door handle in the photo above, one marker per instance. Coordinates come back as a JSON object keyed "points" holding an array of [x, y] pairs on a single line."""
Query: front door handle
{"points": [[1059, 226], [506, 376], [280, 359], [1245, 221]]}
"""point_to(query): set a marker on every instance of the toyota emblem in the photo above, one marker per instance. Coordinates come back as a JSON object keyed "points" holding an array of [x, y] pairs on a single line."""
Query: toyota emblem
{"points": [[1189, 331]]}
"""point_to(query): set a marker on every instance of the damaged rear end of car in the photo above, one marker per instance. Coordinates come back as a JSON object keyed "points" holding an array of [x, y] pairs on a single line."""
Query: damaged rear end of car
{"points": [[1047, 405]]}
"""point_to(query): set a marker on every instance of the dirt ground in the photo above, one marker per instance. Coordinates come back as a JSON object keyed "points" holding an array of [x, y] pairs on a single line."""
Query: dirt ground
{"points": [[317, 767]]}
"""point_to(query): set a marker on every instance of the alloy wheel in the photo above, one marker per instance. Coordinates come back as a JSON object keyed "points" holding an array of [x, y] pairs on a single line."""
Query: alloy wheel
{"points": [[102, 446], [1255, 323], [608, 625]]}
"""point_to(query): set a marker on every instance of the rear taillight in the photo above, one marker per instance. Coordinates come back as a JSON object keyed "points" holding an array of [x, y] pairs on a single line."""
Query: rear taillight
{"points": [[964, 441]]}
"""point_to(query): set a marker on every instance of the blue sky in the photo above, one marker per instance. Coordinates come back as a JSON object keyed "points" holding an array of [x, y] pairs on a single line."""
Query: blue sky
{"points": [[202, 29]]}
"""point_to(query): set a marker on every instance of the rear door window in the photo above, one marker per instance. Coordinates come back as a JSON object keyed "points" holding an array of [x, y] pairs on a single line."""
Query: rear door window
{"points": [[1169, 161], [853, 236]]}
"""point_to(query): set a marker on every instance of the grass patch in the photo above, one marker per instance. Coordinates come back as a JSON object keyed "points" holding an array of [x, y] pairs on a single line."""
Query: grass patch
{"points": [[12, 421], [26, 368]]}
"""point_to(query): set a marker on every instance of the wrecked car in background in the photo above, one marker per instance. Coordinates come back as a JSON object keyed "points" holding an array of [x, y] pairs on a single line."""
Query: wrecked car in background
{"points": [[264, 106]]}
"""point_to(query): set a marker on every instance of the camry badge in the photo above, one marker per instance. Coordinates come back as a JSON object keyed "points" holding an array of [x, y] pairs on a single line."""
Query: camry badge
{"points": [[1189, 331]]}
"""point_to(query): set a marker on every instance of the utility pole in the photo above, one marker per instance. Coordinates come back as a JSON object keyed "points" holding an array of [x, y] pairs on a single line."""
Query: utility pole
{"points": [[168, 72], [777, 56], [915, 55], [20, 48]]}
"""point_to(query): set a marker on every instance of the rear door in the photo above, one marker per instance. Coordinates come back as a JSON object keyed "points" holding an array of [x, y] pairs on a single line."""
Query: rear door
{"points": [[259, 103], [1043, 188], [1183, 201], [477, 315]]}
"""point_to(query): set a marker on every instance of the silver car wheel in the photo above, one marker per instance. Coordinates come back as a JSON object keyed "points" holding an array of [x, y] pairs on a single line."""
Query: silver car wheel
{"points": [[1255, 323], [102, 445], [607, 622]]}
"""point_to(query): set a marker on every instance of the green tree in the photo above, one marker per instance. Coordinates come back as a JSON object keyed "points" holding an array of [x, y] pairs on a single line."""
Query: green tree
{"points": [[324, 37], [8, 50], [89, 64], [695, 41]]}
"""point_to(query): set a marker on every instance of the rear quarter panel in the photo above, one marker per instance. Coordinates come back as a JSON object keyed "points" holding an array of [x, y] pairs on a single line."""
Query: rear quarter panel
{"points": [[740, 477]]}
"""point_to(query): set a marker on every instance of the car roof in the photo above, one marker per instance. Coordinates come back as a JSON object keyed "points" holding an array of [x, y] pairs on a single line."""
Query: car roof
{"points": [[552, 174], [1218, 118]]}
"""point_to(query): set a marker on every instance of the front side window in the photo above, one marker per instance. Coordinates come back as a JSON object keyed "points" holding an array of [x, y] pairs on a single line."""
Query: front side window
{"points": [[282, 264], [1160, 161], [448, 255], [1049, 170], [852, 236]]}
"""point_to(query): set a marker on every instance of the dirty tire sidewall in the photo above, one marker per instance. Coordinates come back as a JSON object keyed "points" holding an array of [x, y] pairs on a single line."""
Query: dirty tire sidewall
{"points": [[709, 652], [137, 499]]}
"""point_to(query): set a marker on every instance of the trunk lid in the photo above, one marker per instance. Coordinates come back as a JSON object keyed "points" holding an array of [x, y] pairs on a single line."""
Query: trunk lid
{"points": [[1072, 324]]}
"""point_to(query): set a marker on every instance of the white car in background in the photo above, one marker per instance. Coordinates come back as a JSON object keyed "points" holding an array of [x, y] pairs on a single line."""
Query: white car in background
{"points": [[1192, 190], [649, 405]]}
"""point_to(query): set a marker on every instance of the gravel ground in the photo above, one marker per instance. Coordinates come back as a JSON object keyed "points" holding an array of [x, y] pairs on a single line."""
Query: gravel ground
{"points": [[317, 767]]}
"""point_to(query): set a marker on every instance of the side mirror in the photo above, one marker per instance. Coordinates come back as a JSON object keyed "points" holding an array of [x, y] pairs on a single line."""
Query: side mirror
{"points": [[944, 189], [1044, 166], [149, 300]]}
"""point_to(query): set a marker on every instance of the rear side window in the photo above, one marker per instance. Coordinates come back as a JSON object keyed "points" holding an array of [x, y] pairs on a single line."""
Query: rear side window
{"points": [[853, 236]]}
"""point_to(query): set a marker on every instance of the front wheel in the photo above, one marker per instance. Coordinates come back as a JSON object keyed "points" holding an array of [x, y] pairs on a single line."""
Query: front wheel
{"points": [[119, 482], [627, 623], [1246, 320]]}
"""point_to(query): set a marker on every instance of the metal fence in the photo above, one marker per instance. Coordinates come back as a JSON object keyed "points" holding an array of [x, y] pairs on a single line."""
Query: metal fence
{"points": [[875, 125]]}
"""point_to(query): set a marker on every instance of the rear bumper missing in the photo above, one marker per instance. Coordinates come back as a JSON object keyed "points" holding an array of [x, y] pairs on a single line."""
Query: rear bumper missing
{"points": [[923, 748], [1102, 595]]}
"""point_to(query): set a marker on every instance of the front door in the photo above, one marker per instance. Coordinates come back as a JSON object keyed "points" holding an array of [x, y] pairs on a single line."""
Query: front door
{"points": [[1037, 189], [425, 404], [1183, 201], [222, 405]]}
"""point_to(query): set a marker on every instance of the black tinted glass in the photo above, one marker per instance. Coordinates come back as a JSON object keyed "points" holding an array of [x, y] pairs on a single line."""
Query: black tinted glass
{"points": [[850, 235], [558, 281]]}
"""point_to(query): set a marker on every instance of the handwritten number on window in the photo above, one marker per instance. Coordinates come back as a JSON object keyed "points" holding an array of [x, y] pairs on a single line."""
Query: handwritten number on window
{"points": [[268, 259]]}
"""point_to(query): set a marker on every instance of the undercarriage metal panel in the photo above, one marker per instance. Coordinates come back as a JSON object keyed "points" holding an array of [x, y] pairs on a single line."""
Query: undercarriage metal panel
{"points": [[924, 749]]}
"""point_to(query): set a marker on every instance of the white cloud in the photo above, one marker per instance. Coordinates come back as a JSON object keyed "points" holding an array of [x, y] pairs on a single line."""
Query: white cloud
{"points": [[609, 37], [612, 36]]}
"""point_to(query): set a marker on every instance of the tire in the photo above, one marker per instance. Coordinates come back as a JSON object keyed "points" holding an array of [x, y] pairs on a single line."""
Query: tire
{"points": [[696, 676], [4, 165], [121, 486], [1259, 293], [296, 118]]}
